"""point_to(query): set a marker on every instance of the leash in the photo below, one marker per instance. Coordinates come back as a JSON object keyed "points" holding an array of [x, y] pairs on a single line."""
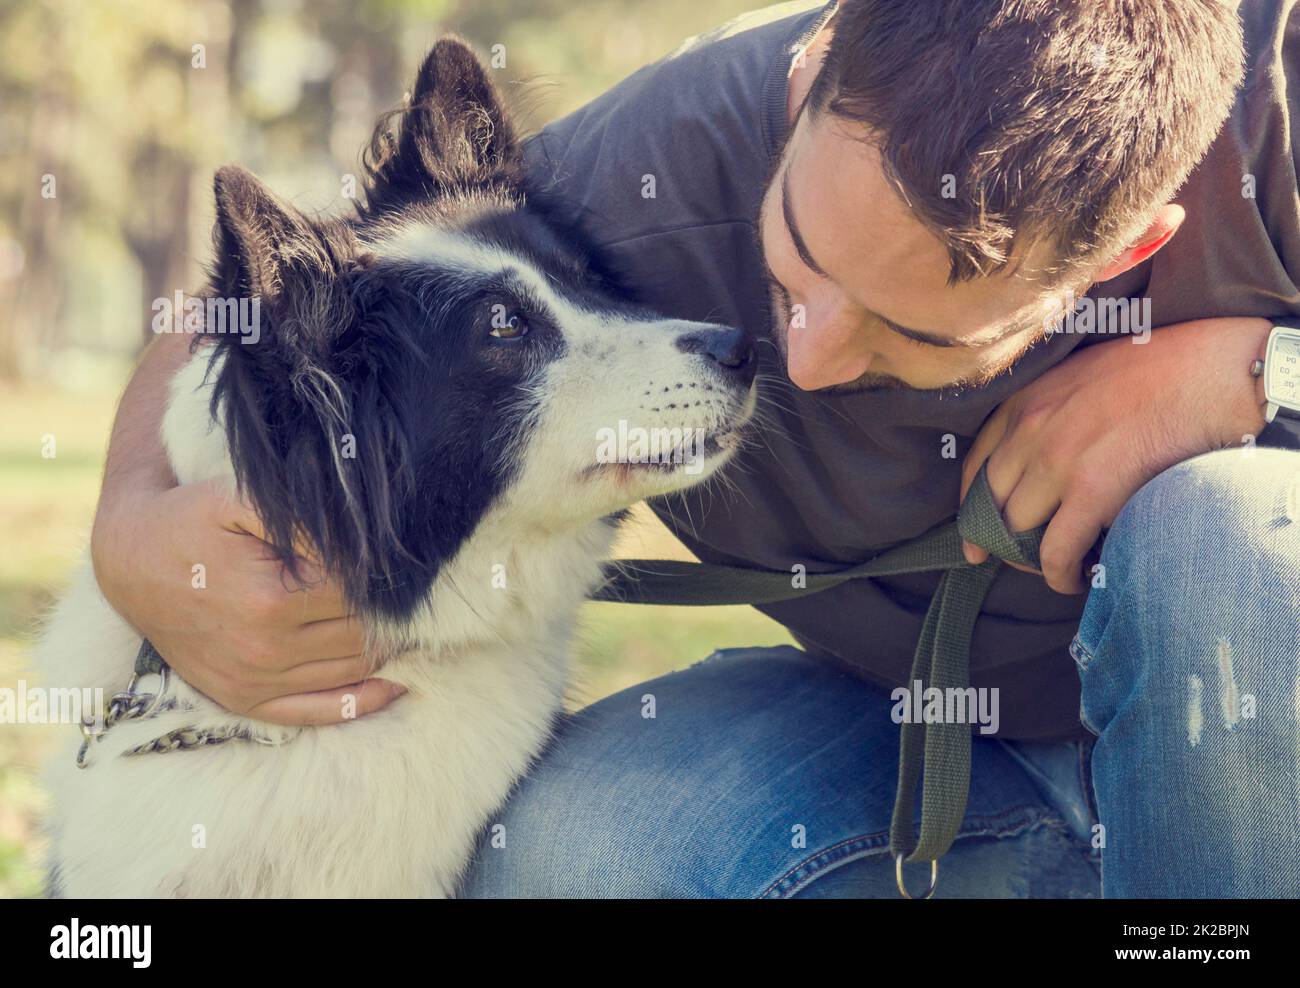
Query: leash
{"points": [[935, 754]]}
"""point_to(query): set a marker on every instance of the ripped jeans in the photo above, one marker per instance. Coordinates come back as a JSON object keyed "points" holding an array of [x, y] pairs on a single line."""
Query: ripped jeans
{"points": [[764, 773], [1190, 668]]}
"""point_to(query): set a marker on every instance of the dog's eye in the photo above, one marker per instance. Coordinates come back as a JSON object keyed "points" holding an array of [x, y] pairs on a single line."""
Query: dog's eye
{"points": [[512, 327]]}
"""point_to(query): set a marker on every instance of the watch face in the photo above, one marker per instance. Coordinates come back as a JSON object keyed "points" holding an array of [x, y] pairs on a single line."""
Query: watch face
{"points": [[1284, 371]]}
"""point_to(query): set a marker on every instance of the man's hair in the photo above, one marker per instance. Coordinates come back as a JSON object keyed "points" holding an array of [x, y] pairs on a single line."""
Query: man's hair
{"points": [[1010, 123]]}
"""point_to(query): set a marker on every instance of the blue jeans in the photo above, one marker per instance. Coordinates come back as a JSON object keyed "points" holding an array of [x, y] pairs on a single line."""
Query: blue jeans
{"points": [[764, 773]]}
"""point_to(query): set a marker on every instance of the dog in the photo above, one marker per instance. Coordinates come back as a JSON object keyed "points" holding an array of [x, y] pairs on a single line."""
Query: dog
{"points": [[422, 404]]}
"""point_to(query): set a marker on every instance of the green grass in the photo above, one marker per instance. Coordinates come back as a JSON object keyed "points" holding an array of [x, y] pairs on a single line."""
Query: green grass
{"points": [[45, 510], [46, 507]]}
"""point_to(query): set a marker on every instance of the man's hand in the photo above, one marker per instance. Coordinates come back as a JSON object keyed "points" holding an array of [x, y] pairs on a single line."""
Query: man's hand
{"points": [[1075, 444], [249, 637]]}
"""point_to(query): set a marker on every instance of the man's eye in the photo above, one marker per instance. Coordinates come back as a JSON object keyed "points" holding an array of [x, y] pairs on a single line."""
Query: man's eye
{"points": [[919, 343], [510, 327]]}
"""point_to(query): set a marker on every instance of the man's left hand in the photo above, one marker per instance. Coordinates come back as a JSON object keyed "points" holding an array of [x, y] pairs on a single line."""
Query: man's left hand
{"points": [[1075, 444]]}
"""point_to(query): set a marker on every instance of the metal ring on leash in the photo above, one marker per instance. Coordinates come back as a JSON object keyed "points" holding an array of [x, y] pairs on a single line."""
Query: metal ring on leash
{"points": [[134, 704], [902, 886], [126, 705], [155, 697]]}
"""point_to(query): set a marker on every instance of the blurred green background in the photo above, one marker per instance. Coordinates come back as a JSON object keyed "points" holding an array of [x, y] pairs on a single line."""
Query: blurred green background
{"points": [[113, 116]]}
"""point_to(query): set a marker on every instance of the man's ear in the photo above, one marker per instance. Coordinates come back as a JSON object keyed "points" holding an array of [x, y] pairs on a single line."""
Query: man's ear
{"points": [[1160, 232], [454, 134]]}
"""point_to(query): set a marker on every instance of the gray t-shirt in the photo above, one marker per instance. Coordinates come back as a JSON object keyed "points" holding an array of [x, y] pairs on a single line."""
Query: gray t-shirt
{"points": [[841, 478]]}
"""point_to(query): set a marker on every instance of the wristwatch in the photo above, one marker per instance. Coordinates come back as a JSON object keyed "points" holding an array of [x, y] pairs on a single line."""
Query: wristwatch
{"points": [[1280, 369]]}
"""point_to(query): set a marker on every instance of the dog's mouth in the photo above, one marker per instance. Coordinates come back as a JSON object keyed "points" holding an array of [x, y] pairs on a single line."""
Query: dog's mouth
{"points": [[670, 457], [688, 455]]}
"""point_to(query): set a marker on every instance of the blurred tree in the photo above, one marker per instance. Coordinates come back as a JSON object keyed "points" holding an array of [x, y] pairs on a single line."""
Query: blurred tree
{"points": [[131, 104]]}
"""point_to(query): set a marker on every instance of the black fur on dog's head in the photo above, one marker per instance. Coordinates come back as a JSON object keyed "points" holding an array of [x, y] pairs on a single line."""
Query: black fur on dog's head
{"points": [[347, 430], [389, 400], [452, 136]]}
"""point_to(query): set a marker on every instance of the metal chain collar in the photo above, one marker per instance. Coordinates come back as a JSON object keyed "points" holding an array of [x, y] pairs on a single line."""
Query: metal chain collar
{"points": [[130, 704]]}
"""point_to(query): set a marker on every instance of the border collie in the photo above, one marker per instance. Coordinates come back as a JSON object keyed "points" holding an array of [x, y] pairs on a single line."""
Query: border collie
{"points": [[423, 404]]}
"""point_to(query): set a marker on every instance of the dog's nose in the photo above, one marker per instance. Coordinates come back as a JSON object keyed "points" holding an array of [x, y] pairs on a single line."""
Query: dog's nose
{"points": [[729, 348]]}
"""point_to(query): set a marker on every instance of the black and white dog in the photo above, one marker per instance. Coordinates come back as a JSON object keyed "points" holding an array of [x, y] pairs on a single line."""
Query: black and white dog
{"points": [[424, 406]]}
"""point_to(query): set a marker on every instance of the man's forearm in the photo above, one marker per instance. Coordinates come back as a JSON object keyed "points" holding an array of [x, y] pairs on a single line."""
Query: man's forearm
{"points": [[137, 460], [1236, 400], [136, 456]]}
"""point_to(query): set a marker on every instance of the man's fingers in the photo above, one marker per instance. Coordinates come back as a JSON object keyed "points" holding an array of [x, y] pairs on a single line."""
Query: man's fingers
{"points": [[328, 639], [1070, 536], [986, 441], [333, 648], [240, 518], [304, 597], [1004, 475], [317, 599], [333, 706], [1034, 501], [324, 675], [990, 434], [1031, 503]]}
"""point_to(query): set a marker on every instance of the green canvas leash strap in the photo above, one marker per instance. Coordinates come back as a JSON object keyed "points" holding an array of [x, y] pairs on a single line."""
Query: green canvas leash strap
{"points": [[147, 660], [937, 755]]}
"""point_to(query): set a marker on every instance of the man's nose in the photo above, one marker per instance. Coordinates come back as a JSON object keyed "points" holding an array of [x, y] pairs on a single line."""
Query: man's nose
{"points": [[729, 348], [827, 348]]}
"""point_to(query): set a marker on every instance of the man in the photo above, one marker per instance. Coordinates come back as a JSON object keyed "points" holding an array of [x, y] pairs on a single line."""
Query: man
{"points": [[903, 200]]}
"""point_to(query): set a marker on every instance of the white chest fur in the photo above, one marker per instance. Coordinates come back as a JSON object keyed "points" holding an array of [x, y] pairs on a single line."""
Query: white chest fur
{"points": [[387, 805]]}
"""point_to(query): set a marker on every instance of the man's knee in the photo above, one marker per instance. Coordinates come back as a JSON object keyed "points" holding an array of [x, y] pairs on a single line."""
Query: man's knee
{"points": [[1194, 619], [1211, 543], [1208, 522]]}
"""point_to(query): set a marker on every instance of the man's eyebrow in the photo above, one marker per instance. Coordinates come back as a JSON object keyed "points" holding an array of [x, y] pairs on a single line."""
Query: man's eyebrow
{"points": [[919, 335], [792, 228]]}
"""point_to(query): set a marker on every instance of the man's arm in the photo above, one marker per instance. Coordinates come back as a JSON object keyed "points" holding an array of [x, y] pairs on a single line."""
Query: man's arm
{"points": [[135, 448], [249, 639], [1075, 444]]}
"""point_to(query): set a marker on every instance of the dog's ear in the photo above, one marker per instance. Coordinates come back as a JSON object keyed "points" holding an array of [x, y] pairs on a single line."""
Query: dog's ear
{"points": [[293, 266], [302, 396], [454, 134], [264, 247]]}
